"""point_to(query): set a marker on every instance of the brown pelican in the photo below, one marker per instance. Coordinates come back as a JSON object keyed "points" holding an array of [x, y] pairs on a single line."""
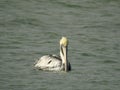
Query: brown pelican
{"points": [[53, 62]]}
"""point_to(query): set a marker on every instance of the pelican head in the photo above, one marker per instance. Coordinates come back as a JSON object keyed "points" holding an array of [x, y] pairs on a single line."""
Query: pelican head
{"points": [[64, 41], [63, 52]]}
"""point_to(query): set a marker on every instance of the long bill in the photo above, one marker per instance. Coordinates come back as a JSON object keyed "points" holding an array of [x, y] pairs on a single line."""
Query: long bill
{"points": [[63, 54]]}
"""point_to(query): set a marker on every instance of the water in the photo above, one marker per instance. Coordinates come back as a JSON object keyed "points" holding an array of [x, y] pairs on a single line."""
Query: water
{"points": [[32, 28]]}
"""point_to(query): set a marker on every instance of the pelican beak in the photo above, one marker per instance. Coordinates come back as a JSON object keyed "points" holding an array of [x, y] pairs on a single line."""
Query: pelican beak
{"points": [[65, 57], [63, 53]]}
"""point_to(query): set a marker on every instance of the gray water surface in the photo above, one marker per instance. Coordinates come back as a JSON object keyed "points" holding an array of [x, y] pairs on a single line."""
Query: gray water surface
{"points": [[32, 28]]}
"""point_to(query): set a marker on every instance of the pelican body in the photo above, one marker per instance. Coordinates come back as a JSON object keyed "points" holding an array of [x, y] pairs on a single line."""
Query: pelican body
{"points": [[54, 62]]}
